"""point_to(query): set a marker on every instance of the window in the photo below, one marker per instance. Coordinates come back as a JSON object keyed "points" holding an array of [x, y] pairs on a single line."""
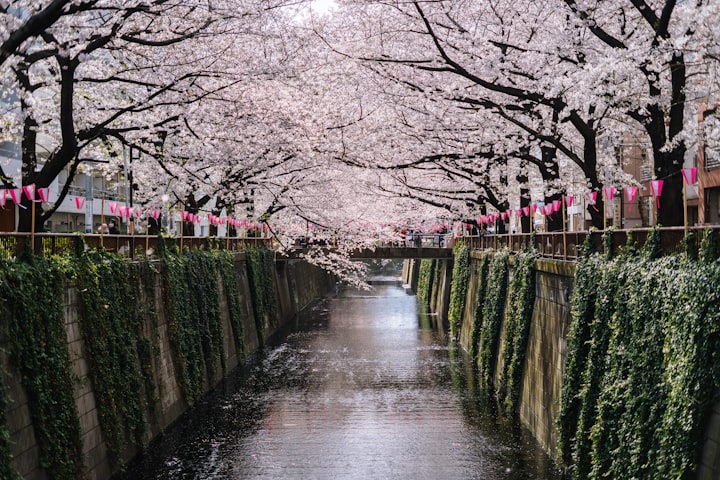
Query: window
{"points": [[646, 165]]}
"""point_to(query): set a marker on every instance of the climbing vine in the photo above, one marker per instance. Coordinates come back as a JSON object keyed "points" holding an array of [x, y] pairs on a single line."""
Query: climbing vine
{"points": [[478, 313], [493, 310], [262, 290], [106, 300], [436, 280], [35, 339], [118, 321], [426, 276], [578, 347], [709, 245], [196, 335], [459, 287], [202, 277], [226, 265], [145, 319], [641, 373], [6, 468], [521, 297]]}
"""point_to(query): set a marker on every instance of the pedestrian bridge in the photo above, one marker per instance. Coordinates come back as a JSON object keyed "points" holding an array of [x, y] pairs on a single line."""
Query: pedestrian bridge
{"points": [[387, 252]]}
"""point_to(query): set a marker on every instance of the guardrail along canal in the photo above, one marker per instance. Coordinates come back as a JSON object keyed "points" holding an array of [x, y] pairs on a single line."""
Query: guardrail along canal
{"points": [[362, 388]]}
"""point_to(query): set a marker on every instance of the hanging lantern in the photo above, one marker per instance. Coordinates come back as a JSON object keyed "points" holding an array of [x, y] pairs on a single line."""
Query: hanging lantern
{"points": [[631, 193], [44, 194], [689, 175], [29, 192], [656, 189], [609, 193], [15, 195]]}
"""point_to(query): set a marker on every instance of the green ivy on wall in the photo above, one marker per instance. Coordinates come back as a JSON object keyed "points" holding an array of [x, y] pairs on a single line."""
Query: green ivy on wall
{"points": [[202, 275], [478, 313], [226, 265], [184, 334], [425, 280], [637, 400], [145, 319], [34, 336], [521, 300], [437, 280], [578, 349], [493, 311], [118, 321], [261, 272], [190, 283], [6, 469], [459, 287], [106, 303]]}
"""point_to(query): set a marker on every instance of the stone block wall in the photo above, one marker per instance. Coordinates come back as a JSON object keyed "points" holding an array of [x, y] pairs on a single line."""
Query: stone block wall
{"points": [[545, 361], [302, 283], [710, 462], [542, 382], [541, 391]]}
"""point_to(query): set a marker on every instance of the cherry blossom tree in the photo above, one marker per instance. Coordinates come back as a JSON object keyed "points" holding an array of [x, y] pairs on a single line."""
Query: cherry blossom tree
{"points": [[573, 76], [114, 75], [447, 110]]}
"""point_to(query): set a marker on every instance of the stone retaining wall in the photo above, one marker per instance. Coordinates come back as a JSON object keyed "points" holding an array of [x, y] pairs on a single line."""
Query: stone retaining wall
{"points": [[541, 391], [297, 283]]}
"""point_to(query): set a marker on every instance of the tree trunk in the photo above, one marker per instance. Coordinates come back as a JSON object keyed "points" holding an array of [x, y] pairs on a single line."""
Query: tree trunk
{"points": [[522, 179]]}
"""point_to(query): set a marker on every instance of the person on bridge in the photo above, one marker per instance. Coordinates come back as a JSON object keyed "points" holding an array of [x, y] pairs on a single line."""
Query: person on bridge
{"points": [[417, 239]]}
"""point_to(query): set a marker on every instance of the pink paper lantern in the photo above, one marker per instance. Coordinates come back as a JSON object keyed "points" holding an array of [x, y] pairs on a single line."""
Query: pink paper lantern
{"points": [[656, 189], [689, 175], [609, 193], [44, 194], [631, 193], [29, 192]]}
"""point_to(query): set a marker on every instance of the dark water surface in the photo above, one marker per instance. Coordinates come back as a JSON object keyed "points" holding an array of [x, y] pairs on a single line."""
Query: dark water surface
{"points": [[363, 388]]}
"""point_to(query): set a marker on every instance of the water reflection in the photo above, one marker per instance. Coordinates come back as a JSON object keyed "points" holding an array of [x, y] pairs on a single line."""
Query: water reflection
{"points": [[362, 388]]}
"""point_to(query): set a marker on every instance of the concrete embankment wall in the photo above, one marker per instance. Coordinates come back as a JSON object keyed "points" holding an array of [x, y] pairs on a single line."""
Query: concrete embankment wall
{"points": [[542, 382], [546, 354], [296, 283], [439, 301]]}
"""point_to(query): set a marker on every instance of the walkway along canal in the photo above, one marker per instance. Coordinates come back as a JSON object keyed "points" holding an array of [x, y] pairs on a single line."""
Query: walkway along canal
{"points": [[362, 387]]}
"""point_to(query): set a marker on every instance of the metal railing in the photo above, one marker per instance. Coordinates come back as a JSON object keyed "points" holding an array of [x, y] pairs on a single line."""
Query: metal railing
{"points": [[133, 246], [566, 246]]}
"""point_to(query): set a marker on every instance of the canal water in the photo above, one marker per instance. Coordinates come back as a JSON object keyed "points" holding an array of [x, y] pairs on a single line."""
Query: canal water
{"points": [[363, 387]]}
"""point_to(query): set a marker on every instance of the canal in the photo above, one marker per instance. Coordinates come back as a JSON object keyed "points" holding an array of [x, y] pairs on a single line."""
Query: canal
{"points": [[362, 387]]}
